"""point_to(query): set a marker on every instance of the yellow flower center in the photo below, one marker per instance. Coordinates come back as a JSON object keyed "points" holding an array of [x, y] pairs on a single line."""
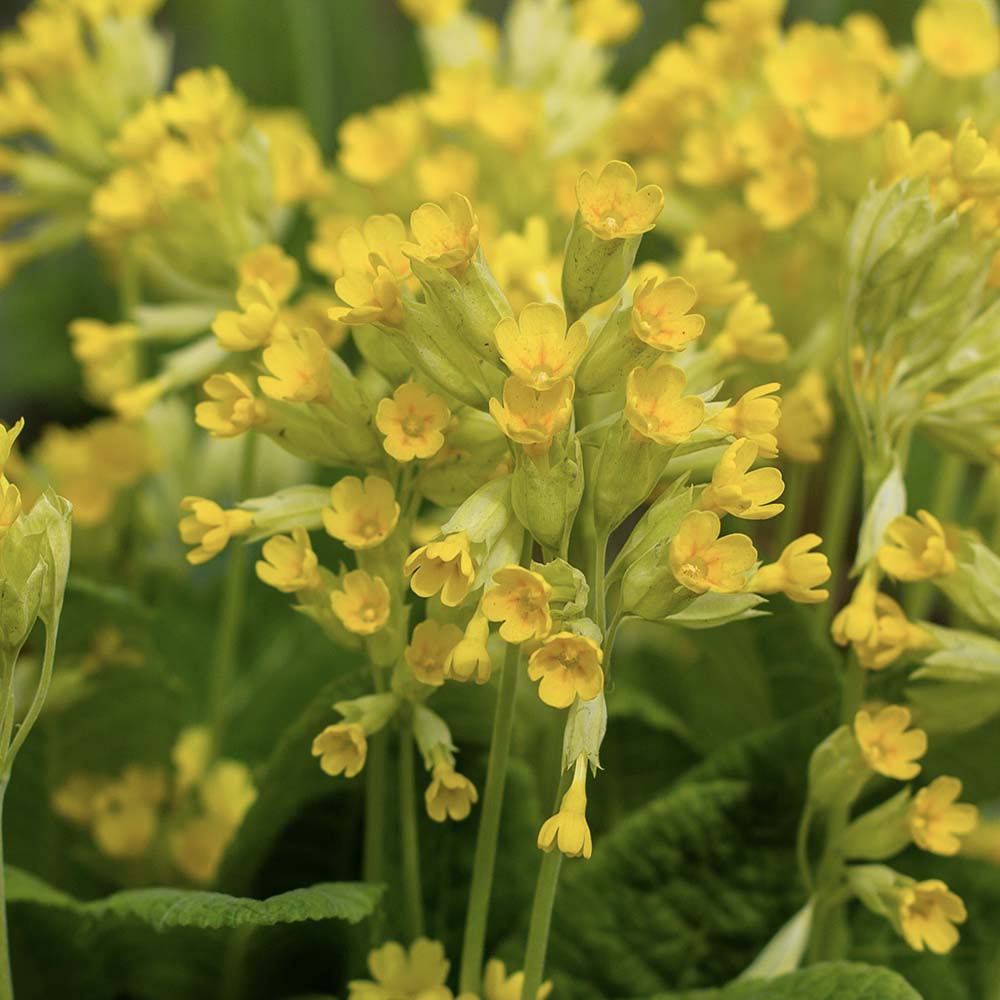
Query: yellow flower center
{"points": [[413, 425]]}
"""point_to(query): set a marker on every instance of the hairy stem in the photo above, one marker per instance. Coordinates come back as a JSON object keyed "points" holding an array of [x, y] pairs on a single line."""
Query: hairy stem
{"points": [[410, 844]]}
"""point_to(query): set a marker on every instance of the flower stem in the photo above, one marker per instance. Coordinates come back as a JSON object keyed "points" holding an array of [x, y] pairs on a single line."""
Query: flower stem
{"points": [[841, 497], [484, 862], [410, 845], [794, 499], [6, 980]]}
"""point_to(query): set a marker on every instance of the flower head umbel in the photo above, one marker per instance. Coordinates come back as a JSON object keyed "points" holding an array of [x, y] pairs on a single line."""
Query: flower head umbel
{"points": [[398, 974], [754, 416], [342, 749], [413, 422], [613, 206], [701, 561], [444, 567], [289, 563], [887, 743], [231, 409], [299, 367], [428, 650], [361, 514], [537, 348], [799, 572], [738, 491], [916, 548], [450, 795], [661, 315], [519, 599], [937, 819], [656, 408], [209, 528], [362, 604], [568, 829], [569, 667], [928, 912], [447, 239], [531, 417]]}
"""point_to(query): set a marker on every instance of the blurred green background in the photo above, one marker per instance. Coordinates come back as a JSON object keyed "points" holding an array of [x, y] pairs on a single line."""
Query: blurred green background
{"points": [[329, 57]]}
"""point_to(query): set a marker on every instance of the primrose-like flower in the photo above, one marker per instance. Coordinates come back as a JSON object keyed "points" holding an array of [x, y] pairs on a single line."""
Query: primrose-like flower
{"points": [[799, 572], [420, 972], [470, 656], [497, 985], [270, 264], [701, 561], [447, 239], [887, 743], [537, 348], [711, 272], [450, 795], [372, 296], [857, 620], [850, 105], [231, 409], [928, 913], [754, 416], [362, 604], [613, 206], [916, 548], [738, 491], [937, 820], [655, 407], [661, 314], [299, 367], [413, 422], [892, 635], [429, 648], [569, 667], [342, 749], [975, 167], [94, 341], [289, 564], [519, 599], [209, 528], [747, 333], [782, 194], [8, 438], [361, 514], [806, 419], [258, 323], [126, 812], [957, 37], [533, 417], [377, 145], [445, 566], [568, 829]]}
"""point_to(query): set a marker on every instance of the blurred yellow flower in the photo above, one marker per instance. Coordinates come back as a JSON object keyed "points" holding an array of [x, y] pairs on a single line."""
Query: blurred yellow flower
{"points": [[887, 743]]}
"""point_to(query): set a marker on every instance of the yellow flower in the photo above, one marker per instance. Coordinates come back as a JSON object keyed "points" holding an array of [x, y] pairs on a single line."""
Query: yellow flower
{"points": [[444, 171], [204, 106], [313, 310], [782, 194], [928, 912], [937, 819], [444, 566], [470, 656], [210, 528], [372, 296], [701, 561], [661, 314], [975, 166], [8, 437], [74, 799], [450, 795], [432, 11], [916, 548], [232, 408], [957, 37], [568, 829], [857, 622], [606, 22], [10, 505], [537, 348], [270, 264], [497, 985], [197, 847], [362, 604], [94, 341], [569, 667], [737, 491], [747, 333], [887, 743], [891, 635], [533, 417], [806, 419], [299, 367], [797, 573], [227, 792], [190, 756], [342, 749], [418, 974], [135, 402], [850, 105], [428, 650], [377, 145], [126, 812], [447, 239], [520, 600], [413, 422], [769, 135], [754, 416], [381, 236], [655, 408], [289, 563], [613, 206], [711, 272], [361, 515]]}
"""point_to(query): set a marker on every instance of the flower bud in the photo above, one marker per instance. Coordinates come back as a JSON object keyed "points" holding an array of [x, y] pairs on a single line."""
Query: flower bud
{"points": [[546, 500], [837, 770], [614, 351], [881, 832]]}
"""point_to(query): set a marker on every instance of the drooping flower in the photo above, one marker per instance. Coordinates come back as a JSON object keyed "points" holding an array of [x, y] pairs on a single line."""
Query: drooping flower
{"points": [[470, 656], [361, 515], [755, 416], [450, 795], [738, 491], [916, 548], [342, 749], [531, 417], [799, 572], [887, 743], [568, 829], [289, 564], [429, 648], [209, 528], [232, 409], [569, 667], [519, 599], [445, 566], [701, 561], [928, 913]]}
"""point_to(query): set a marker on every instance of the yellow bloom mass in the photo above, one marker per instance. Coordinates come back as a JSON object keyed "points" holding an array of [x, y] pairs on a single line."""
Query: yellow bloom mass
{"points": [[916, 548], [701, 561], [362, 604], [569, 667], [958, 37], [537, 348], [661, 314], [937, 819], [887, 743], [568, 829], [519, 599], [747, 333], [613, 206], [413, 422], [656, 408], [806, 419], [444, 567], [361, 515]]}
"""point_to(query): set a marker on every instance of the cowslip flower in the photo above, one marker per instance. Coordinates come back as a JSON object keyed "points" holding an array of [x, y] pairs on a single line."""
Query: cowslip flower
{"points": [[8, 437], [362, 604], [450, 795], [497, 985], [270, 264], [892, 635], [849, 105], [701, 561], [397, 972], [568, 829], [857, 620], [94, 341], [533, 417], [957, 37], [916, 548], [755, 416], [289, 564], [342, 749], [887, 743], [470, 656], [537, 348], [799, 572], [299, 367], [711, 272], [738, 491], [447, 239], [209, 528], [377, 145], [428, 649], [520, 600], [126, 812], [937, 819], [782, 194], [256, 326], [445, 566], [413, 422], [613, 206], [372, 296], [655, 407], [231, 409], [569, 667], [928, 912], [361, 515], [806, 419], [747, 333], [661, 315]]}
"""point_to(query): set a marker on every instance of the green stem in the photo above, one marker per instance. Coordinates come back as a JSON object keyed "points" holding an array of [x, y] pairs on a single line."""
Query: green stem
{"points": [[484, 862], [841, 498], [6, 980], [790, 521], [311, 27], [802, 848], [598, 591], [410, 845]]}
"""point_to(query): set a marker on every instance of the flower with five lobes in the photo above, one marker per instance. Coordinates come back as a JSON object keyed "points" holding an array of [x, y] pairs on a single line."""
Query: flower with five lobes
{"points": [[701, 561], [569, 667], [231, 409], [520, 600], [747, 333], [613, 206], [806, 419], [289, 564], [450, 794], [533, 417], [737, 491], [756, 415], [916, 548], [428, 649], [799, 572], [361, 515], [209, 528], [568, 829], [957, 37], [299, 367], [537, 348], [711, 272], [256, 326], [447, 239], [661, 315], [444, 566], [413, 422], [887, 743], [927, 914], [270, 264], [342, 749], [470, 656], [892, 635], [362, 604], [374, 268], [655, 407], [398, 974], [857, 621], [937, 819]]}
